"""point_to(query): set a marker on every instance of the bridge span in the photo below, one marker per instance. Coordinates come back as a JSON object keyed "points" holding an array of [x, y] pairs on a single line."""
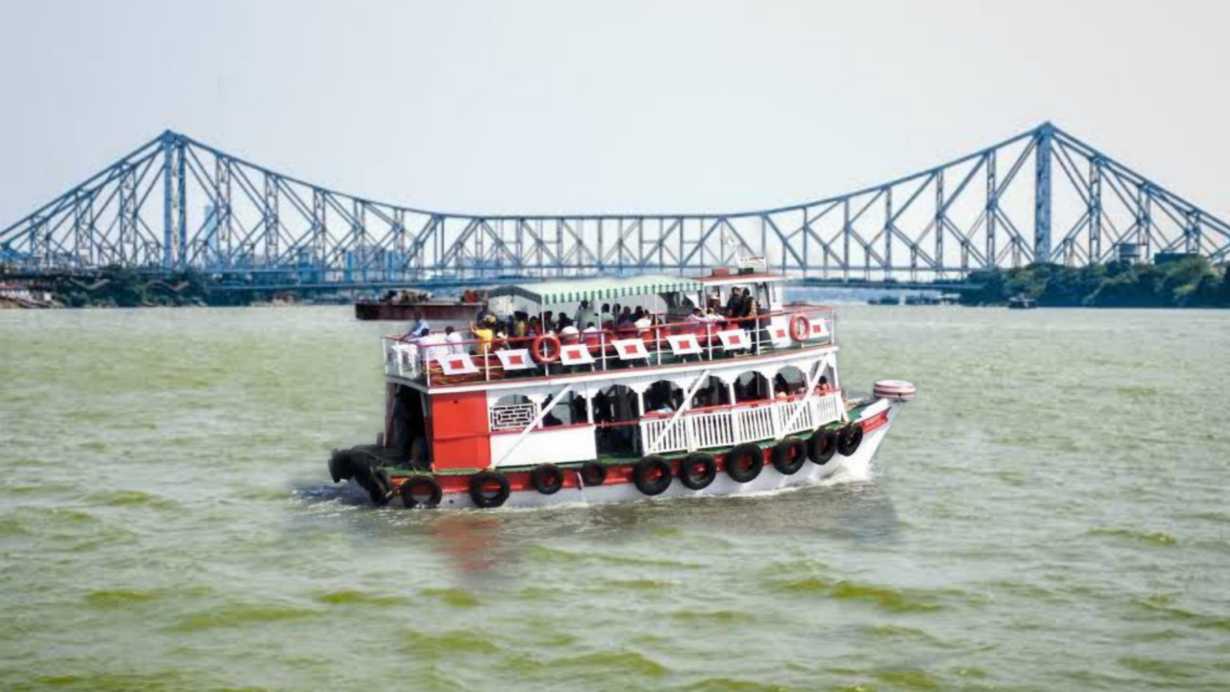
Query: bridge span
{"points": [[175, 203]]}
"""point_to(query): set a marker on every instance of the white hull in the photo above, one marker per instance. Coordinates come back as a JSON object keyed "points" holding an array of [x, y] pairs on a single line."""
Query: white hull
{"points": [[855, 467]]}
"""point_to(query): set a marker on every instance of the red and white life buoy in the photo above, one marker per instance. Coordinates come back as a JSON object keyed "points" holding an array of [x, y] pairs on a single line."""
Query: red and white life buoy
{"points": [[800, 327], [898, 390], [537, 352]]}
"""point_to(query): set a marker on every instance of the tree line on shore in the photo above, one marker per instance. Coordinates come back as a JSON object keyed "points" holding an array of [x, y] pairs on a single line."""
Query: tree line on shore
{"points": [[1186, 281]]}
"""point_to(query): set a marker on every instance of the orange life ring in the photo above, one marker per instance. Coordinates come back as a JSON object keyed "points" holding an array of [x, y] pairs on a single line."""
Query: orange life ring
{"points": [[536, 348], [800, 327]]}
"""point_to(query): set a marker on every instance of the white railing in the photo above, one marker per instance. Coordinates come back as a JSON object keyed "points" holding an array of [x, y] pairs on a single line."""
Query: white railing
{"points": [[401, 359], [755, 423], [664, 436], [405, 359], [731, 426]]}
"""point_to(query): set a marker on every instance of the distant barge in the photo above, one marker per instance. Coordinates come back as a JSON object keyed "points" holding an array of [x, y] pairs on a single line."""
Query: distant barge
{"points": [[433, 311]]}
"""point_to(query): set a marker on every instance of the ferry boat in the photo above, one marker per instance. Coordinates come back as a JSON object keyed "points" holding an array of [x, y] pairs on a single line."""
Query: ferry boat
{"points": [[717, 389]]}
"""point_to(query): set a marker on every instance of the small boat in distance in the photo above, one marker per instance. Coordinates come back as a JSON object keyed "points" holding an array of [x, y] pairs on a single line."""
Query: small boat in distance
{"points": [[619, 389], [1021, 301]]}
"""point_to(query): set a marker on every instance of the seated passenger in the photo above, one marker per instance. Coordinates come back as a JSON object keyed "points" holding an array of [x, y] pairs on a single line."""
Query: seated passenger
{"points": [[433, 345]]}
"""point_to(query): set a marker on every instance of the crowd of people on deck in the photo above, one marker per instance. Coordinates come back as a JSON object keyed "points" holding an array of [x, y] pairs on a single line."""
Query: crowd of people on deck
{"points": [[591, 324]]}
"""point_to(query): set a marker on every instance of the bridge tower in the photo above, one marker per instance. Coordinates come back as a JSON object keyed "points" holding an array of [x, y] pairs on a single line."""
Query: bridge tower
{"points": [[1042, 192]]}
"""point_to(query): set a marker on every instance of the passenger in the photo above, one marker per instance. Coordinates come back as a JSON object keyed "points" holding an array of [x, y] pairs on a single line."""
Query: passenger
{"points": [[419, 329], [569, 335], [586, 314], [780, 387], [643, 322], [592, 337], [605, 318], [485, 335], [533, 329], [453, 339], [735, 303], [696, 317], [625, 317], [434, 346]]}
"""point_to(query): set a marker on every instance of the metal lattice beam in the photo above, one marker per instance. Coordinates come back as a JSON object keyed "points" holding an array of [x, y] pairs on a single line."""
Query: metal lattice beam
{"points": [[221, 214]]}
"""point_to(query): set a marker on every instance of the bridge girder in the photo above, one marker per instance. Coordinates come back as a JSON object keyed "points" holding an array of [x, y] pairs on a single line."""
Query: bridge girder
{"points": [[221, 214]]}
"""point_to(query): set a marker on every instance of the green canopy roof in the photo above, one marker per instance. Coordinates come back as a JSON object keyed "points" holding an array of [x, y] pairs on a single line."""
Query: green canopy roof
{"points": [[575, 290]]}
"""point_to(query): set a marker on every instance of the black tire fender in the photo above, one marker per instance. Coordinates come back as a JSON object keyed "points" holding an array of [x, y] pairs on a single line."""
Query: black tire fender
{"points": [[593, 473], [697, 470], [479, 483], [547, 479], [419, 486], [822, 446], [849, 439], [339, 466], [789, 455], [652, 475], [744, 462]]}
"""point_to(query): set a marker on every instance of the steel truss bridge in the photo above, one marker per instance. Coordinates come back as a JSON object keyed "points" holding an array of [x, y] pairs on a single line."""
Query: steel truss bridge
{"points": [[176, 203]]}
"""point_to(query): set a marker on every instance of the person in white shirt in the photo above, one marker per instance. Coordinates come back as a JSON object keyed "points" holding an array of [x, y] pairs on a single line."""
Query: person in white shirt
{"points": [[453, 338], [434, 346]]}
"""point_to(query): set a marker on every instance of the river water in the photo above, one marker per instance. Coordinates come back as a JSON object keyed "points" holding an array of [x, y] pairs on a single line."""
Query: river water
{"points": [[1051, 513]]}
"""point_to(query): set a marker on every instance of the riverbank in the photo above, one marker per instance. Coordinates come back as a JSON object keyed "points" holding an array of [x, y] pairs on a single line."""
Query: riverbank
{"points": [[1184, 282], [124, 288]]}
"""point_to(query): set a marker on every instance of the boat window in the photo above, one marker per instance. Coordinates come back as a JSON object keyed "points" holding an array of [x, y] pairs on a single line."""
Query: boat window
{"points": [[751, 386], [663, 397], [616, 412], [569, 410], [789, 381], [713, 392]]}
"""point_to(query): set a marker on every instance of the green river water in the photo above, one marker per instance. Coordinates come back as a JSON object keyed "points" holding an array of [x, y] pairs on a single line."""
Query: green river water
{"points": [[1051, 513]]}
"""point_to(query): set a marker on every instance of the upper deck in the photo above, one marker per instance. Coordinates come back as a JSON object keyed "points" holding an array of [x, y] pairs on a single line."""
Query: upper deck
{"points": [[623, 352]]}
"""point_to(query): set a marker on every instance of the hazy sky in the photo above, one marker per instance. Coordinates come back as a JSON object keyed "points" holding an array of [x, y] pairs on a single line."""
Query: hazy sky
{"points": [[622, 106]]}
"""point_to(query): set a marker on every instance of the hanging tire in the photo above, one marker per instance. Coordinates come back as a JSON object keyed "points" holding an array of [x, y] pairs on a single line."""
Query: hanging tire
{"points": [[482, 492], [849, 439], [420, 491], [789, 455], [743, 463], [593, 473], [822, 446], [652, 475], [339, 466], [547, 479], [697, 471]]}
